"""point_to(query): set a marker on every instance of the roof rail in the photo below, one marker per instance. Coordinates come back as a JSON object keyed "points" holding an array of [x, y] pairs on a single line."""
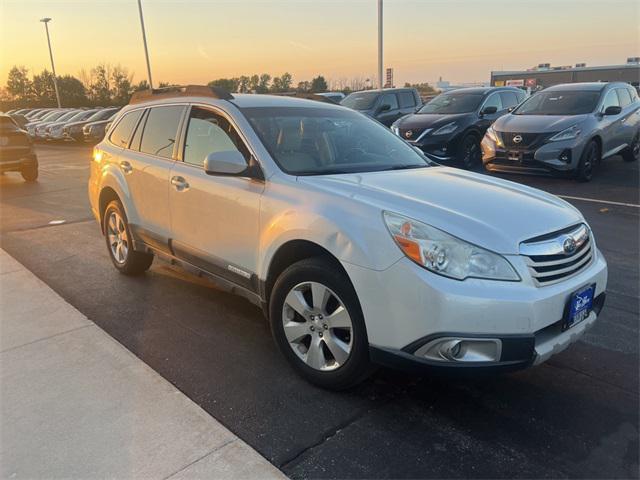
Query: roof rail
{"points": [[180, 91], [307, 96]]}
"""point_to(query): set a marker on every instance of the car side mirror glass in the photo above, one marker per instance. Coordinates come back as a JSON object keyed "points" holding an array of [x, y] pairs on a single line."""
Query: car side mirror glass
{"points": [[489, 110], [227, 162], [613, 110], [384, 108]]}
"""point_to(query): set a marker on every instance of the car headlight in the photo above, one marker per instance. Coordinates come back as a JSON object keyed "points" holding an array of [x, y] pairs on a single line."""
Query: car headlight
{"points": [[445, 254], [446, 129], [494, 136], [568, 134]]}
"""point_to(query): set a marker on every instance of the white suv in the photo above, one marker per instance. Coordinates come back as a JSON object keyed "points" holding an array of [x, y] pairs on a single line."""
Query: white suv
{"points": [[359, 249]]}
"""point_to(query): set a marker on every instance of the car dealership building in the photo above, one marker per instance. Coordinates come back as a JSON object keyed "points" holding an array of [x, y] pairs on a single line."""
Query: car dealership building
{"points": [[544, 75]]}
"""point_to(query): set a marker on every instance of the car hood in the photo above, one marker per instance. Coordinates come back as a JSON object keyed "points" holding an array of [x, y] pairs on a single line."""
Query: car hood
{"points": [[427, 120], [536, 123], [490, 212], [79, 123]]}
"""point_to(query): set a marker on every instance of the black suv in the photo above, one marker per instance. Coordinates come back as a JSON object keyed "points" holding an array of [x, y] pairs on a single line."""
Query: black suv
{"points": [[386, 105], [451, 126], [16, 150]]}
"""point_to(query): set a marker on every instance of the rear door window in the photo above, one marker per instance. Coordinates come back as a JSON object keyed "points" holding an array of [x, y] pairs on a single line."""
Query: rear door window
{"points": [[161, 130], [122, 132], [509, 99], [406, 99], [624, 97], [493, 101], [390, 99]]}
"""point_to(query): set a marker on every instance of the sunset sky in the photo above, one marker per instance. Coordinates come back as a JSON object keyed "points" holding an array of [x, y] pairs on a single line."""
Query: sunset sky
{"points": [[197, 41]]}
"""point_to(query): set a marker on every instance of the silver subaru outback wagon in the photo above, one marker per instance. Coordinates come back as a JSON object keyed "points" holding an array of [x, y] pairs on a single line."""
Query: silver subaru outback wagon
{"points": [[360, 249]]}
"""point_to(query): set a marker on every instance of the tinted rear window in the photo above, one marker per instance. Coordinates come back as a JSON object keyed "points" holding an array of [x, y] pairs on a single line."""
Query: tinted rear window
{"points": [[122, 133], [161, 130]]}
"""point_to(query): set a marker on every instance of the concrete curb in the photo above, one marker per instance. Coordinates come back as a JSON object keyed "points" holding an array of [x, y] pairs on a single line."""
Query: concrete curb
{"points": [[75, 403]]}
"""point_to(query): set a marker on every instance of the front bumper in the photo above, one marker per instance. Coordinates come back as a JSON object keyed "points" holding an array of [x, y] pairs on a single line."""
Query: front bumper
{"points": [[405, 306], [545, 158], [441, 148], [16, 161]]}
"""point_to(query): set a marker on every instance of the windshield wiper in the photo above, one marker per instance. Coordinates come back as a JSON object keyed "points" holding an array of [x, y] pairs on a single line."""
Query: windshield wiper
{"points": [[405, 167]]}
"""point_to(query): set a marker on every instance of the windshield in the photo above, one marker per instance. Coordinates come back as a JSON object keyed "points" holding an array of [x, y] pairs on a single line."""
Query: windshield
{"points": [[101, 115], [360, 100], [453, 103], [68, 115], [323, 141], [53, 116], [559, 103]]}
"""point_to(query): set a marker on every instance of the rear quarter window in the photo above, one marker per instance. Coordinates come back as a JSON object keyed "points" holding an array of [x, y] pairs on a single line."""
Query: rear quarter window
{"points": [[122, 132]]}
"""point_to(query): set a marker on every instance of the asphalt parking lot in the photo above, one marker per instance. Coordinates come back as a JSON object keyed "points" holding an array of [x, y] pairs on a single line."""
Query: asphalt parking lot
{"points": [[575, 416]]}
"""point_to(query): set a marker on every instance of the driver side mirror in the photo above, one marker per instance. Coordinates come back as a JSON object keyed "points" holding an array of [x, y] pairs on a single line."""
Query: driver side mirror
{"points": [[613, 110], [228, 162], [384, 108], [489, 110]]}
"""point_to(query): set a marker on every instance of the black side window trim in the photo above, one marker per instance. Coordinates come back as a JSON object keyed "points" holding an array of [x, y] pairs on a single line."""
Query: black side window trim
{"points": [[142, 121]]}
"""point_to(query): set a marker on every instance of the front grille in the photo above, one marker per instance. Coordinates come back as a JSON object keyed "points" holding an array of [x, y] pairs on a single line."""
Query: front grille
{"points": [[559, 255], [414, 133], [526, 140]]}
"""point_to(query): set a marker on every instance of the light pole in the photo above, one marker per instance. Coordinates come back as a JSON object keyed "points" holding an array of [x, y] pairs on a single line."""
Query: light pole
{"points": [[53, 67], [144, 41], [380, 84]]}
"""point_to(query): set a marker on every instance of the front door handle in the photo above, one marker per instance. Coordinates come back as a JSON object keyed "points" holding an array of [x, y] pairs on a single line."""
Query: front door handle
{"points": [[179, 183], [126, 167]]}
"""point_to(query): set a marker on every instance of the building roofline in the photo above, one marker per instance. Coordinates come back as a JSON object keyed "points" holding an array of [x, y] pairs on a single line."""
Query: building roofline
{"points": [[572, 69]]}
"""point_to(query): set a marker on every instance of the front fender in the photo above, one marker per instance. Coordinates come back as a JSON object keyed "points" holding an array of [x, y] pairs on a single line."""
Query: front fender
{"points": [[353, 233]]}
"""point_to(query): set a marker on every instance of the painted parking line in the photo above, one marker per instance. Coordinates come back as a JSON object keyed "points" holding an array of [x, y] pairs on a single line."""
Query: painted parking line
{"points": [[595, 200]]}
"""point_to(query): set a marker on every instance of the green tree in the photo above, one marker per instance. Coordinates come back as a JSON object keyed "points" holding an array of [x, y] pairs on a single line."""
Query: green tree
{"points": [[282, 83], [254, 83], [100, 85], [304, 86], [43, 89], [244, 83], [72, 92], [318, 84], [120, 85], [228, 84], [18, 83], [263, 84]]}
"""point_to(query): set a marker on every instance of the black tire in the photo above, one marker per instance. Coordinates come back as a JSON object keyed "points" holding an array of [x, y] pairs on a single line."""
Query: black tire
{"points": [[30, 174], [588, 161], [132, 262], [632, 153], [357, 366], [469, 154]]}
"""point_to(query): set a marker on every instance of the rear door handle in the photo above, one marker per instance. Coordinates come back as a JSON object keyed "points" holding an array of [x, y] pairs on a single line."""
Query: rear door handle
{"points": [[126, 167], [179, 183]]}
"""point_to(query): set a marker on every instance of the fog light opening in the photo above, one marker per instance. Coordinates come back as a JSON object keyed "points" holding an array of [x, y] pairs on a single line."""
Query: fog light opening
{"points": [[565, 156], [462, 350]]}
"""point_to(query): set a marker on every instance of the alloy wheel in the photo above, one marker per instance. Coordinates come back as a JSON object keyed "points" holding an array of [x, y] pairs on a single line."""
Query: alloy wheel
{"points": [[317, 326], [118, 238]]}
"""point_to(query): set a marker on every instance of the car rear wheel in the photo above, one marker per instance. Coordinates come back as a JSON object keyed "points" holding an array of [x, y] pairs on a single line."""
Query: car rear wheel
{"points": [[119, 244], [318, 325], [469, 154], [589, 159], [30, 174], [632, 153]]}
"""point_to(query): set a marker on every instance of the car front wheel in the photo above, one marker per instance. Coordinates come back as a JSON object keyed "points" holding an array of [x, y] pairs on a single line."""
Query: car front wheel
{"points": [[632, 153], [589, 159], [469, 155], [317, 322], [30, 173], [118, 237]]}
